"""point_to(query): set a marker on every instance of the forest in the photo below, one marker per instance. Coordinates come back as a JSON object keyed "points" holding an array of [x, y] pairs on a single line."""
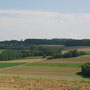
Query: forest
{"points": [[15, 44]]}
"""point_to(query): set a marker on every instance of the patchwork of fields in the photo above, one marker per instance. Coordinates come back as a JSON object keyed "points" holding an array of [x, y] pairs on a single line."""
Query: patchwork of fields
{"points": [[41, 68], [56, 69]]}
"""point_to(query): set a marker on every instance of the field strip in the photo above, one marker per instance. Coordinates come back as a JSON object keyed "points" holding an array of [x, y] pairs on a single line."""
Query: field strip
{"points": [[48, 77], [21, 64]]}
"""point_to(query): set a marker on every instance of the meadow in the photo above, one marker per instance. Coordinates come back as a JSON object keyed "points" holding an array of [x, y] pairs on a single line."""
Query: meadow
{"points": [[5, 65], [1, 50], [56, 64]]}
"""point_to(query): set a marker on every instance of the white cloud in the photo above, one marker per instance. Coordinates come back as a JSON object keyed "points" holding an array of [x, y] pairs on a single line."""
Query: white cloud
{"points": [[21, 24]]}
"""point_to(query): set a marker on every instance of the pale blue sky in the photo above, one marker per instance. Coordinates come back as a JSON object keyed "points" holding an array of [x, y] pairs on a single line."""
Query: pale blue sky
{"points": [[62, 6], [20, 19]]}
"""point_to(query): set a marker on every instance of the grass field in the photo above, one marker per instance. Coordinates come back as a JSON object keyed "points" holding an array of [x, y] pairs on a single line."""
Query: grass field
{"points": [[1, 50], [56, 64], [65, 48], [4, 65], [87, 52]]}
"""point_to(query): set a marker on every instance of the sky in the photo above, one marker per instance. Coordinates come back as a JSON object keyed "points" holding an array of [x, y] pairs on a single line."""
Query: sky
{"points": [[45, 19]]}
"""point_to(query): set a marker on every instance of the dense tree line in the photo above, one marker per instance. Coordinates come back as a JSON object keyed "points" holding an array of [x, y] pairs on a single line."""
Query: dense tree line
{"points": [[77, 43], [26, 44], [10, 54]]}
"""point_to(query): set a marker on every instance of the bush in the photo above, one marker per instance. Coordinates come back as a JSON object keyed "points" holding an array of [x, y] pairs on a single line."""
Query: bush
{"points": [[67, 55], [44, 56], [83, 53], [86, 69], [75, 53], [50, 58]]}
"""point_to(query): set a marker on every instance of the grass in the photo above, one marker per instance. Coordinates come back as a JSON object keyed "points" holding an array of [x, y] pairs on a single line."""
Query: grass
{"points": [[56, 64], [87, 52], [75, 88], [4, 65], [1, 50], [34, 57]]}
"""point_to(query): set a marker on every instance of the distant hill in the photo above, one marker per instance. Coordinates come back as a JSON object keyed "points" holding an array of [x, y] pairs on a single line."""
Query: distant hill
{"points": [[28, 42]]}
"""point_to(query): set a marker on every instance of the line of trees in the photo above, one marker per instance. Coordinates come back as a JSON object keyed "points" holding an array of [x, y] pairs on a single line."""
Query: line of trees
{"points": [[77, 43], [69, 54], [14, 44], [11, 54]]}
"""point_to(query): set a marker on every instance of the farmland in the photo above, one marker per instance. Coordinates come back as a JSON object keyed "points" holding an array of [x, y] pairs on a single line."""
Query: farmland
{"points": [[52, 69], [38, 69], [44, 45], [5, 65]]}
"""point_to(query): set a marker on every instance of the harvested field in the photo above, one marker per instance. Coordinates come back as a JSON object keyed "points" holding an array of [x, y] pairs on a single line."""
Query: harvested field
{"points": [[43, 84], [23, 61], [56, 64], [81, 59], [79, 48], [58, 73]]}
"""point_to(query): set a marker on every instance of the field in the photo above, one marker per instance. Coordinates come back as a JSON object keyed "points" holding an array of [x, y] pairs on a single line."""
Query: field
{"points": [[5, 65], [80, 59], [1, 50], [42, 84], [56, 64], [79, 48], [59, 69], [36, 73]]}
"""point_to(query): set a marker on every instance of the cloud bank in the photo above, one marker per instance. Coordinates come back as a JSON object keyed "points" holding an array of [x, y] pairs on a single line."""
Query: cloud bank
{"points": [[21, 24]]}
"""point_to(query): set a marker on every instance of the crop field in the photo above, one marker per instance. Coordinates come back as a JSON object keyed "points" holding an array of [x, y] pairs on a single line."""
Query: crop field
{"points": [[47, 68], [56, 64], [53, 46], [80, 59], [79, 48], [41, 84], [58, 73]]}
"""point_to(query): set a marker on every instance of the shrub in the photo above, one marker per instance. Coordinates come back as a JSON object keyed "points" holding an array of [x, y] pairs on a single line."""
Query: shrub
{"points": [[44, 56], [83, 53], [50, 58], [75, 53], [67, 55], [86, 69]]}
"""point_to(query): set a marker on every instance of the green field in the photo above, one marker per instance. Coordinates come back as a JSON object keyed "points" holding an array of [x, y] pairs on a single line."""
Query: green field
{"points": [[4, 65], [87, 52], [1, 50], [56, 64]]}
